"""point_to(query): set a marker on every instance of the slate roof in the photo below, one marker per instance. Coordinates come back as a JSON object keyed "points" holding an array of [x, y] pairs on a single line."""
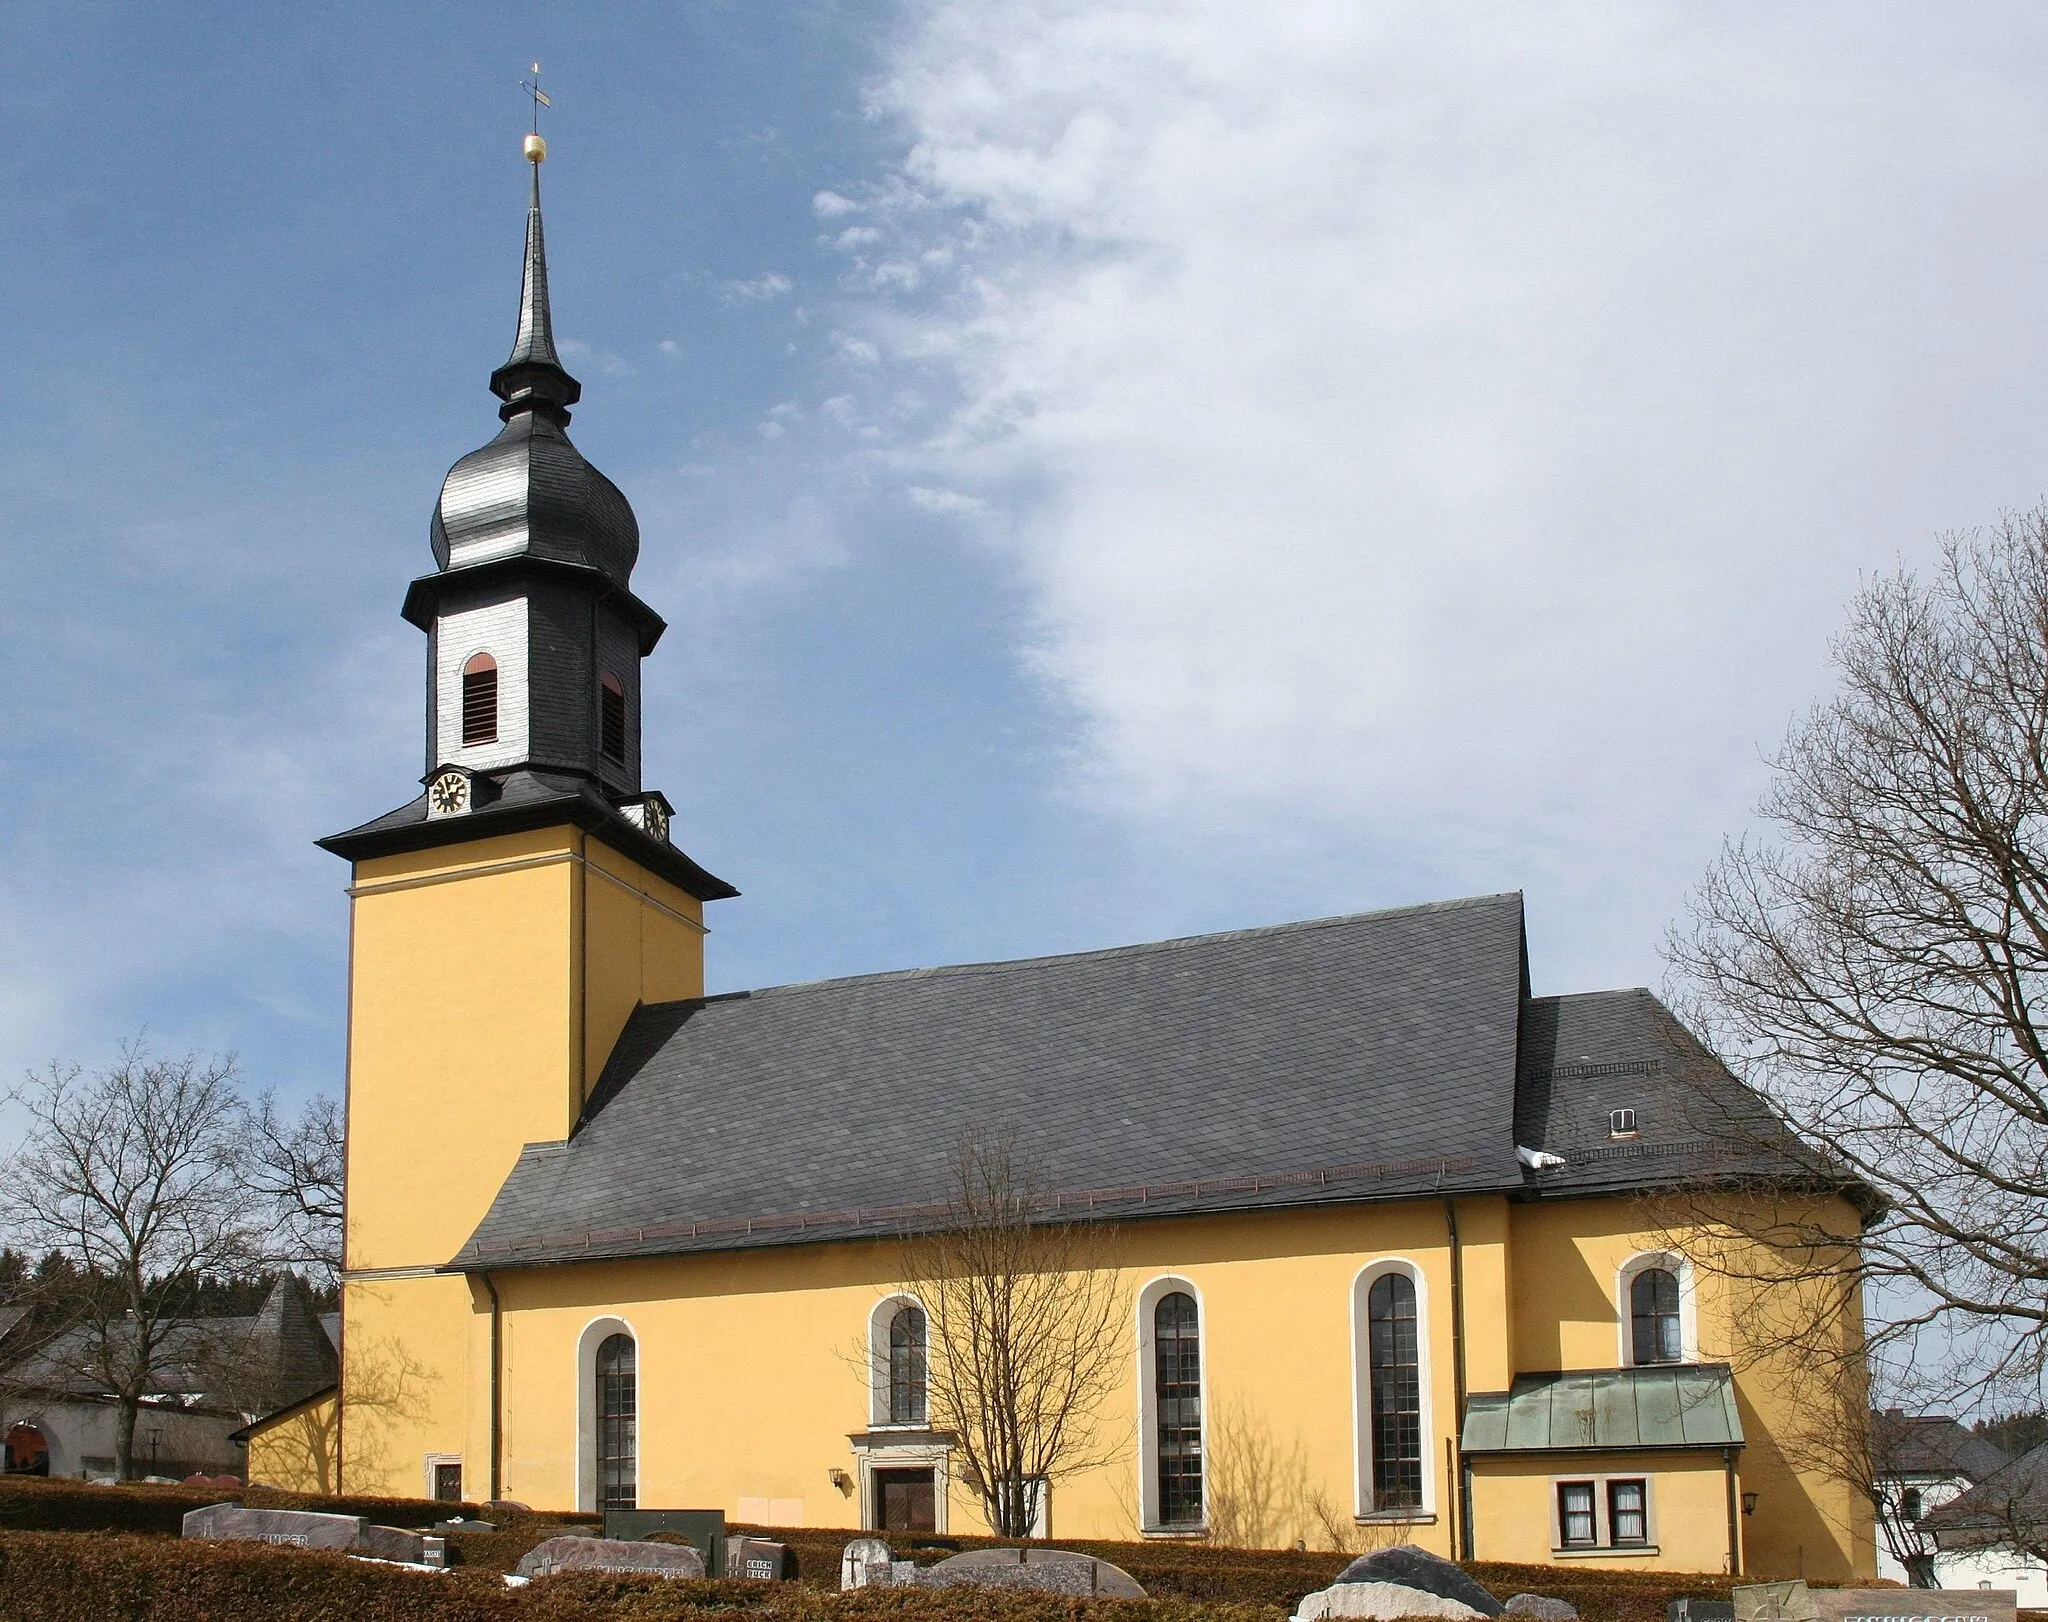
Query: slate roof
{"points": [[1607, 1410], [1931, 1445], [1342, 1059], [1585, 1055], [2010, 1500], [272, 1358]]}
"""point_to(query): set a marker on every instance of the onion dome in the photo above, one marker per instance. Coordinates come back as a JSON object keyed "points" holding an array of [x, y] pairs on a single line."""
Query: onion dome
{"points": [[529, 491]]}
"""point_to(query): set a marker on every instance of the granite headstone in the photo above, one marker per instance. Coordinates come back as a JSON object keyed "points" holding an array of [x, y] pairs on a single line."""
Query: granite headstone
{"points": [[1380, 1602], [610, 1554], [858, 1560], [756, 1559], [1049, 1571], [1542, 1607], [295, 1528], [1774, 1602], [1410, 1567], [1932, 1604]]}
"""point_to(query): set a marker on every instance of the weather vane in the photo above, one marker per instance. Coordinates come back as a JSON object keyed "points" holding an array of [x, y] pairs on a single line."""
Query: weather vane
{"points": [[536, 148]]}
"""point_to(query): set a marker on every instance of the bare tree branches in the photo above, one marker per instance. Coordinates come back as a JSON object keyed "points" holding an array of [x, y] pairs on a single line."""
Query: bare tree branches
{"points": [[1877, 963], [140, 1173], [1026, 1327], [296, 1165]]}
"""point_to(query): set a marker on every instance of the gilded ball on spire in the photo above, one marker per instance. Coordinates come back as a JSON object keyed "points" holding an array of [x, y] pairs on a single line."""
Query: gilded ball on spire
{"points": [[536, 149]]}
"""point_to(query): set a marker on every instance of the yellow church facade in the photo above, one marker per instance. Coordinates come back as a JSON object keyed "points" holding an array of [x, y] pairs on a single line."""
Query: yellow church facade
{"points": [[1389, 1233]]}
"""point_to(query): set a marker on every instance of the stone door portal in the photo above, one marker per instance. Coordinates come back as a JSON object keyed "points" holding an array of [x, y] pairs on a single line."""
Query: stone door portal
{"points": [[907, 1501]]}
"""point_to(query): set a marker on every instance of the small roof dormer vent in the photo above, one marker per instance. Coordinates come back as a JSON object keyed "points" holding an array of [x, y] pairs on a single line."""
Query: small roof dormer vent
{"points": [[1621, 1123]]}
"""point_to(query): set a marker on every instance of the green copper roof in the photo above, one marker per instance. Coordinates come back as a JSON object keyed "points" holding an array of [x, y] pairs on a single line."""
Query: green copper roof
{"points": [[1598, 1410]]}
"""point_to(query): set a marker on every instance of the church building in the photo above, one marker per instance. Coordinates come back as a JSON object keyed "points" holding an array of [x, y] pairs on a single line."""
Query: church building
{"points": [[1383, 1225]]}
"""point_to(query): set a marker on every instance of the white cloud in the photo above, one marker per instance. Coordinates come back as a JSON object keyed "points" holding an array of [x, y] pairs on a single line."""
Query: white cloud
{"points": [[829, 205], [760, 289], [1456, 439], [944, 501]]}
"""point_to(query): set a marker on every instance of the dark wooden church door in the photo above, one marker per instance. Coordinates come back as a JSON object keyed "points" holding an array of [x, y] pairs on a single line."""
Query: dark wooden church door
{"points": [[908, 1503]]}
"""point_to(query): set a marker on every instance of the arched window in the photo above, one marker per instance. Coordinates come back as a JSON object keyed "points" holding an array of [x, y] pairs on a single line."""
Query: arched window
{"points": [[618, 1413], [1177, 1399], [1396, 1393], [1654, 1332], [480, 700], [906, 1367], [611, 718], [1911, 1505]]}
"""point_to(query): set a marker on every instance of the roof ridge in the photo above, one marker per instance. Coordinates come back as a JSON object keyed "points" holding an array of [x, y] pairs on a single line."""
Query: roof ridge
{"points": [[1170, 943]]}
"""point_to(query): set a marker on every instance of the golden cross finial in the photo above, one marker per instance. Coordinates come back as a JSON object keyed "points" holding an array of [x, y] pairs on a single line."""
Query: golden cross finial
{"points": [[536, 148]]}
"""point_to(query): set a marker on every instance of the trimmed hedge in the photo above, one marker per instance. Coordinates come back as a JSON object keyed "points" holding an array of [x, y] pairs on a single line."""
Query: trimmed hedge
{"points": [[1189, 1577], [50, 1577]]}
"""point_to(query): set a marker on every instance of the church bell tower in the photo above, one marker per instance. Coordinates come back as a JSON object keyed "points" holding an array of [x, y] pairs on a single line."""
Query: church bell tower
{"points": [[506, 921]]}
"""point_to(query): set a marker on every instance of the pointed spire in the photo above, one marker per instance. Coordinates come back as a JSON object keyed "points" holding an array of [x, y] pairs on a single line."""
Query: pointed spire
{"points": [[533, 378]]}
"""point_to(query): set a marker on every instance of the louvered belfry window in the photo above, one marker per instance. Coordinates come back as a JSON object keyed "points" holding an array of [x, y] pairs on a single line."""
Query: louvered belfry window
{"points": [[480, 700], [1177, 1392], [618, 1423], [1396, 1393], [611, 718]]}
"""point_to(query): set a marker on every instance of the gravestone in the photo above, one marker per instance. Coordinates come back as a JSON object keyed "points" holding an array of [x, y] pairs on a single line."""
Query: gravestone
{"points": [[1406, 1566], [1542, 1607], [414, 1548], [610, 1554], [1048, 1571], [756, 1559], [1774, 1602], [1934, 1604], [1383, 1602], [295, 1528], [460, 1525], [705, 1528], [858, 1561]]}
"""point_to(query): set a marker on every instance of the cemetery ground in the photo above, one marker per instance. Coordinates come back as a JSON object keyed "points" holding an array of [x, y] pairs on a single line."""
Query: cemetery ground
{"points": [[70, 1552]]}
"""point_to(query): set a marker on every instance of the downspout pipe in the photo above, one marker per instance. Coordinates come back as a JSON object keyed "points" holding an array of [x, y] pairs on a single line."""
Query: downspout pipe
{"points": [[1734, 1514], [1464, 1537], [497, 1341]]}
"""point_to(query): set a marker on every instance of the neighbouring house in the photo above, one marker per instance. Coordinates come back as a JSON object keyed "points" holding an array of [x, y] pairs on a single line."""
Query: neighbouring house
{"points": [[215, 1375], [1383, 1217], [1994, 1532], [1923, 1462]]}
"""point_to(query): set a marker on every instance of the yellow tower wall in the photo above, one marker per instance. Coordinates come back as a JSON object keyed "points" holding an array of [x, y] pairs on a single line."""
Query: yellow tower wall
{"points": [[488, 981], [1569, 1256]]}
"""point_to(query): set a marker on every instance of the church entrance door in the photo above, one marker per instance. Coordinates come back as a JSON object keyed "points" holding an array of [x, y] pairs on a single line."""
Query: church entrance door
{"points": [[907, 1501]]}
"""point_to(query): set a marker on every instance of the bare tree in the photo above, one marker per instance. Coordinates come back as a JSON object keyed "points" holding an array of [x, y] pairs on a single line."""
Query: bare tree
{"points": [[1026, 1330], [296, 1165], [140, 1174], [1876, 960]]}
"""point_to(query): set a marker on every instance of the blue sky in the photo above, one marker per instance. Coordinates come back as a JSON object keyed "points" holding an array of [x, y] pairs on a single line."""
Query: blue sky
{"points": [[1111, 470]]}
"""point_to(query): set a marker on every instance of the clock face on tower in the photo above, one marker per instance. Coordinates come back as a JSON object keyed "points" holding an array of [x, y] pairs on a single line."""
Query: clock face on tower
{"points": [[448, 795], [656, 822]]}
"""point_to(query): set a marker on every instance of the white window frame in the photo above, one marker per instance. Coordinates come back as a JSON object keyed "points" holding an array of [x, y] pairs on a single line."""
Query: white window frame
{"points": [[1603, 1532], [434, 1461], [1361, 1391], [1670, 1261], [595, 1334], [1148, 1406], [879, 1321]]}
